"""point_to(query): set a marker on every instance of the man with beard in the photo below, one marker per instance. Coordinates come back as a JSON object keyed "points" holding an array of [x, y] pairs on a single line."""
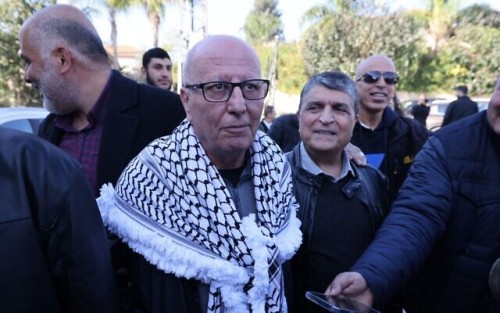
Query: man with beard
{"points": [[389, 140], [157, 68], [98, 116]]}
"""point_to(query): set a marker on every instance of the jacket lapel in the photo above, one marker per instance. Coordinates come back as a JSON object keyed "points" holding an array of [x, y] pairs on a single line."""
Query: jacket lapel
{"points": [[120, 124]]}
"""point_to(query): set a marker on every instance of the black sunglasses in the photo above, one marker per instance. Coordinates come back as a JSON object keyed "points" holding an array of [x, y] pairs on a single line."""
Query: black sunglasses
{"points": [[372, 77]]}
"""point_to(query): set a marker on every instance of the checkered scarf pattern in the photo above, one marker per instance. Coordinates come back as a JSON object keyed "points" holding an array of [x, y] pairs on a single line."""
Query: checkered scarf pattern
{"points": [[172, 206]]}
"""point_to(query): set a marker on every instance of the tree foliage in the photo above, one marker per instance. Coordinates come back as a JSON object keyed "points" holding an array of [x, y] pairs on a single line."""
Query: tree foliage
{"points": [[291, 70], [479, 15], [340, 40], [263, 23], [13, 90], [471, 58], [433, 50]]}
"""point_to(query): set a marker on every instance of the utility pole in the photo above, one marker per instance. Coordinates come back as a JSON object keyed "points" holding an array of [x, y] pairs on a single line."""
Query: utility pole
{"points": [[273, 73]]}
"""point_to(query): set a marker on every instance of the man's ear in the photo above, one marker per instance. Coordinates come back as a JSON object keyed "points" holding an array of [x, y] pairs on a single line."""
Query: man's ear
{"points": [[185, 102], [143, 72], [64, 59]]}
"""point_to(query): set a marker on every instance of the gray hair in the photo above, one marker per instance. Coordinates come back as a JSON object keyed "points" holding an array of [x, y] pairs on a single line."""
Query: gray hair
{"points": [[333, 80], [48, 33]]}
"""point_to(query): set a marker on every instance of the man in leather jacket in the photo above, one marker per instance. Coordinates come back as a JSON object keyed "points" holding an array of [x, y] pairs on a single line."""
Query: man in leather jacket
{"points": [[54, 251], [341, 204]]}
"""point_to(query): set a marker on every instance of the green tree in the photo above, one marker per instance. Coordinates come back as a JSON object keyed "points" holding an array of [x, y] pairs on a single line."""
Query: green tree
{"points": [[155, 9], [441, 17], [479, 15], [343, 33], [465, 54], [291, 69], [92, 7], [470, 58], [13, 90], [263, 23]]}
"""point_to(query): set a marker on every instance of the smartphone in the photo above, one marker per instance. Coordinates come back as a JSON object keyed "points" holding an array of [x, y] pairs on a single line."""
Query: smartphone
{"points": [[338, 304]]}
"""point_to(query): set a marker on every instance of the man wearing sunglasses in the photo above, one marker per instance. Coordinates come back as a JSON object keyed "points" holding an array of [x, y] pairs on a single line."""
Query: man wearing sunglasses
{"points": [[389, 141]]}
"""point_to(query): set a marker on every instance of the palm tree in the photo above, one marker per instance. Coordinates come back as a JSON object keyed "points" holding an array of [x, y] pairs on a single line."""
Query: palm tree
{"points": [[155, 10], [112, 6], [441, 17]]}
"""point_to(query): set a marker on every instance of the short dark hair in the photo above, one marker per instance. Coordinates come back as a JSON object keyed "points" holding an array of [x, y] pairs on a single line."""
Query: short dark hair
{"points": [[154, 53], [333, 80], [462, 88], [268, 109]]}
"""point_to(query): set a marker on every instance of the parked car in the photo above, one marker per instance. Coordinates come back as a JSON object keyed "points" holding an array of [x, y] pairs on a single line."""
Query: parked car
{"points": [[438, 108], [25, 119]]}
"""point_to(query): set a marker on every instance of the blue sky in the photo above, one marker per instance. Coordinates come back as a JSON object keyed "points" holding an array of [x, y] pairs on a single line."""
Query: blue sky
{"points": [[224, 17]]}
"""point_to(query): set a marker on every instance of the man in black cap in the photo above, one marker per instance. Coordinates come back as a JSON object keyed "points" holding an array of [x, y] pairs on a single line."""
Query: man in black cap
{"points": [[460, 108]]}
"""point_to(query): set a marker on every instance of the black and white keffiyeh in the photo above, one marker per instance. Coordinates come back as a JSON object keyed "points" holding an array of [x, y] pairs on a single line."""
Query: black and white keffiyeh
{"points": [[172, 206]]}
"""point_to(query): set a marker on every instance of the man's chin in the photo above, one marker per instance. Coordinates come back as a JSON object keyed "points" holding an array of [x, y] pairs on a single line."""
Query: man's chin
{"points": [[52, 108]]}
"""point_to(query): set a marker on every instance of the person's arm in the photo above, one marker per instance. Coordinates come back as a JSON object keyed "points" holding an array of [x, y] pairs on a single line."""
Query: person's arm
{"points": [[448, 114], [78, 252], [417, 220]]}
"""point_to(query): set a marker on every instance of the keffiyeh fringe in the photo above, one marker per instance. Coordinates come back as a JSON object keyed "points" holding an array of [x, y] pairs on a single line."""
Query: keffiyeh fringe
{"points": [[171, 206]]}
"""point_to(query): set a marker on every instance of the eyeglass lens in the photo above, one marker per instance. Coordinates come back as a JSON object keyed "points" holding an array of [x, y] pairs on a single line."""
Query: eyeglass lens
{"points": [[222, 91], [372, 77]]}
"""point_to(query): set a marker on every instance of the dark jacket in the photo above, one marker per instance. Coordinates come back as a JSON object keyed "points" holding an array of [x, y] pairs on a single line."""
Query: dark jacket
{"points": [[448, 209], [404, 137], [135, 115], [420, 113], [369, 186], [285, 131], [55, 255], [263, 127], [458, 109]]}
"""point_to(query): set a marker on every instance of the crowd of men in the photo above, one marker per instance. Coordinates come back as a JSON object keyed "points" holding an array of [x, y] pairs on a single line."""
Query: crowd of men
{"points": [[138, 199]]}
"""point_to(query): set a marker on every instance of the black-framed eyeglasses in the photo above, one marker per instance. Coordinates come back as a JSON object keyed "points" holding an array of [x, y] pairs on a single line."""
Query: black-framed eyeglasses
{"points": [[372, 77], [218, 91]]}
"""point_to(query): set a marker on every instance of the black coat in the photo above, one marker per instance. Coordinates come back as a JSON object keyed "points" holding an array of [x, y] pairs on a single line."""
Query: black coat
{"points": [[136, 114], [369, 186], [285, 131], [54, 252], [458, 109], [404, 137], [443, 230]]}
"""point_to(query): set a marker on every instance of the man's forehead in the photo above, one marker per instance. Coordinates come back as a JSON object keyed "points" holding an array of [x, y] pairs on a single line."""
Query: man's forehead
{"points": [[161, 60], [376, 63], [213, 64]]}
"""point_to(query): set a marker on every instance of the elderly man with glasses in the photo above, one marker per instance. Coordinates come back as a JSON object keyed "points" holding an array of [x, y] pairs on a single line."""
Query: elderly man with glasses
{"points": [[210, 207], [389, 140]]}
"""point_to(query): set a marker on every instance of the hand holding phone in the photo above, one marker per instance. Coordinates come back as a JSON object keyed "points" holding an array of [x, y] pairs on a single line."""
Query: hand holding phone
{"points": [[338, 304]]}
